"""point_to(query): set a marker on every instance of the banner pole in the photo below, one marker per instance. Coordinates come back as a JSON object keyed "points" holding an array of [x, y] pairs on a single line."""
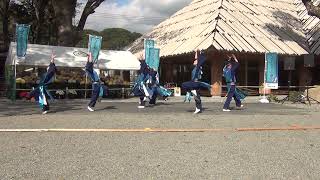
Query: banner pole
{"points": [[264, 98], [264, 77], [15, 68]]}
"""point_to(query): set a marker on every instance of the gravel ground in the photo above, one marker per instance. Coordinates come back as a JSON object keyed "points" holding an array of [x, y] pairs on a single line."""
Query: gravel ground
{"points": [[248, 155], [206, 155]]}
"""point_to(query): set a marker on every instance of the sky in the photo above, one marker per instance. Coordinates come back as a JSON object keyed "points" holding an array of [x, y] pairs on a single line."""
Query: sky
{"points": [[134, 15]]}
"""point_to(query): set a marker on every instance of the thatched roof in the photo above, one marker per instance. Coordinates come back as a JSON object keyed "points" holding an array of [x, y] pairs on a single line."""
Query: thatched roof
{"points": [[316, 2], [255, 26], [311, 27]]}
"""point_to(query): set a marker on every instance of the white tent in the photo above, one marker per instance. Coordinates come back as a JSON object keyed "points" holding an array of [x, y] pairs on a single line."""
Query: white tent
{"points": [[39, 55]]}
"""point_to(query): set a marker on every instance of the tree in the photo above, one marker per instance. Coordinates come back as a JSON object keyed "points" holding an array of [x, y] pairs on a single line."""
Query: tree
{"points": [[65, 10], [35, 13], [4, 13], [84, 37], [51, 23], [50, 20], [39, 13], [312, 9], [89, 9], [113, 38], [118, 38]]}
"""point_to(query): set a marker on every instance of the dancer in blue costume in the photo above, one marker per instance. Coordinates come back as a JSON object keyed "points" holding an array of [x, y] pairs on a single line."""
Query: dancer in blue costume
{"points": [[194, 86], [41, 91], [147, 85], [229, 73], [98, 90], [153, 84], [140, 86], [155, 88]]}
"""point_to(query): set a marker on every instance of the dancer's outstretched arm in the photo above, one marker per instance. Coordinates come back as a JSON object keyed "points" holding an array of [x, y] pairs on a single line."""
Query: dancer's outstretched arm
{"points": [[51, 70], [237, 64], [89, 65]]}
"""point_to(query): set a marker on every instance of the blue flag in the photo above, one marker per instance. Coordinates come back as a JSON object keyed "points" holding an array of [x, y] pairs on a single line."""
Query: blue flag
{"points": [[148, 43], [22, 32], [154, 58], [152, 55], [94, 46], [271, 70]]}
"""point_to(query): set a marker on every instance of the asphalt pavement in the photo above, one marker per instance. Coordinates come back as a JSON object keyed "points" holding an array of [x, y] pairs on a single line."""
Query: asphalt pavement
{"points": [[227, 154]]}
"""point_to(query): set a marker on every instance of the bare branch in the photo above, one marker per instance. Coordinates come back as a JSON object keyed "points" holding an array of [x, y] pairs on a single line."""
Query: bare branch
{"points": [[89, 9]]}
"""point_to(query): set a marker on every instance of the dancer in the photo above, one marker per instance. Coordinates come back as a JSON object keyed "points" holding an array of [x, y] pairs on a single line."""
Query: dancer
{"points": [[153, 83], [41, 91], [98, 90], [140, 88], [229, 73], [155, 88], [193, 87], [147, 85]]}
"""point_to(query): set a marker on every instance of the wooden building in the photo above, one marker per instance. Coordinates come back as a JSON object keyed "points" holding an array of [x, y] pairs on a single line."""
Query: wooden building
{"points": [[248, 28]]}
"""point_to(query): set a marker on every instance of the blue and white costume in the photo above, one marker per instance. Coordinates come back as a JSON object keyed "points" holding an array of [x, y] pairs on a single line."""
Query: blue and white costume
{"points": [[194, 86], [156, 89], [41, 93], [229, 72], [98, 90], [147, 85]]}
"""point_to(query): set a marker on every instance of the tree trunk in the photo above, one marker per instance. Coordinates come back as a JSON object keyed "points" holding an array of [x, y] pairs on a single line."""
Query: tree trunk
{"points": [[64, 11], [5, 28], [5, 21], [39, 8], [91, 5], [89, 9]]}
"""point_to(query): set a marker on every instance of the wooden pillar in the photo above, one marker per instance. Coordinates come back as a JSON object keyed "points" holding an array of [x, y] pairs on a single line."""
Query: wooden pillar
{"points": [[305, 75], [169, 72], [216, 75], [261, 72], [246, 71]]}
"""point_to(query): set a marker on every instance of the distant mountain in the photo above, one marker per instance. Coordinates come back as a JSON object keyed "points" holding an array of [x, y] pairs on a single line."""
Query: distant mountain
{"points": [[113, 38]]}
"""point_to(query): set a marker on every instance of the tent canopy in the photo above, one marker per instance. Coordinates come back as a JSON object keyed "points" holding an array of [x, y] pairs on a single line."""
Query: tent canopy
{"points": [[40, 55]]}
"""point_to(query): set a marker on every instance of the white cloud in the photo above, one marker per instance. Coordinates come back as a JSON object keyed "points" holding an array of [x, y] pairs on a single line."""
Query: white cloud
{"points": [[137, 15]]}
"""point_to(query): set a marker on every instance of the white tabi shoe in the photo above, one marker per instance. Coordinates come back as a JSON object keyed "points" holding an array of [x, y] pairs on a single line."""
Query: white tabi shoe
{"points": [[197, 111], [90, 109], [140, 107], [240, 107], [194, 92], [44, 112], [226, 110]]}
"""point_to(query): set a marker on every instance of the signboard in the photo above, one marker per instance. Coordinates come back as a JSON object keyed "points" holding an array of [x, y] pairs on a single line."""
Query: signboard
{"points": [[22, 32], [271, 71]]}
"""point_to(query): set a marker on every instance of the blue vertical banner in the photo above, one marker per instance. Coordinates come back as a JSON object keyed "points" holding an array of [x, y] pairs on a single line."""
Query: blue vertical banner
{"points": [[271, 71], [148, 43], [22, 33], [154, 58], [94, 46]]}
